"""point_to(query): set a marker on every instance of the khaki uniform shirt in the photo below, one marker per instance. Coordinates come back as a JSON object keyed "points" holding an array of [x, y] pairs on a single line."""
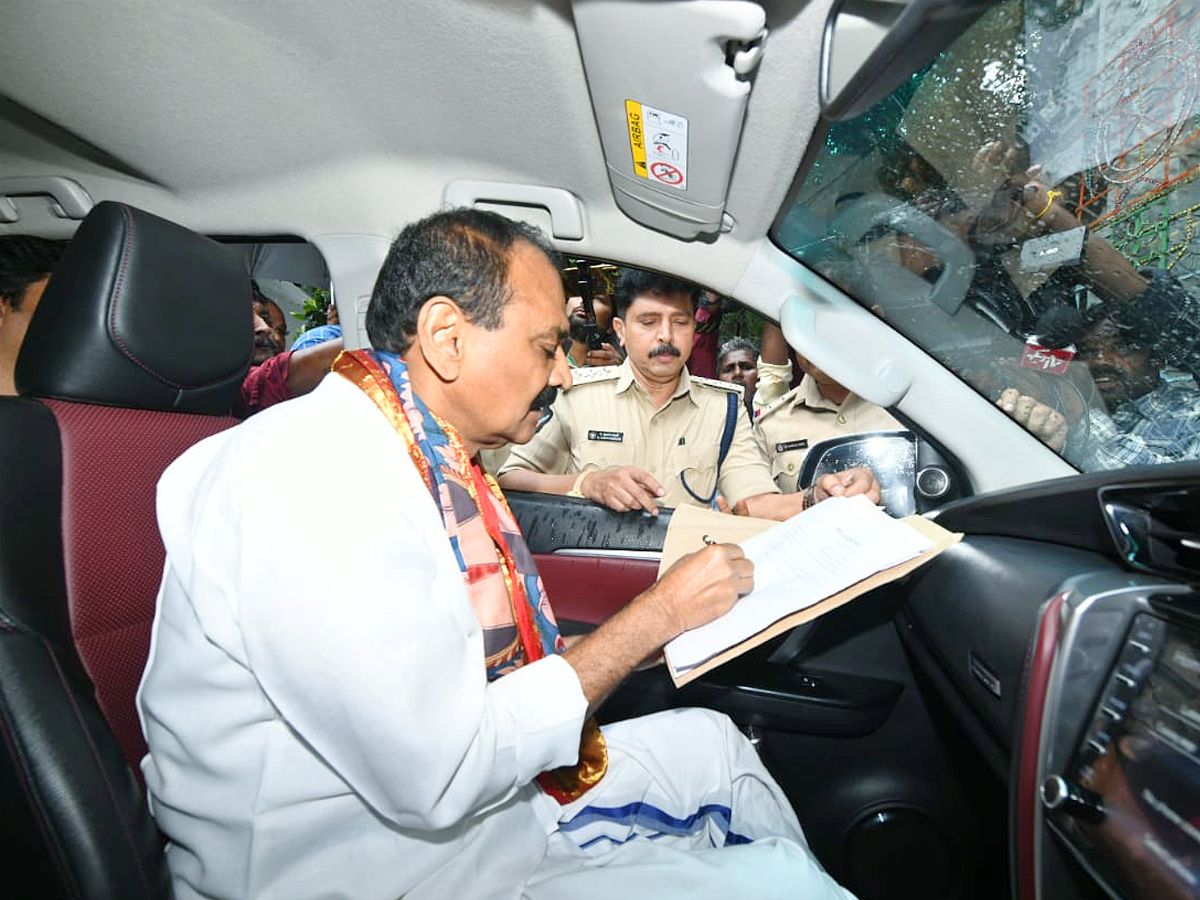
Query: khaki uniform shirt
{"points": [[491, 461], [800, 418], [608, 419]]}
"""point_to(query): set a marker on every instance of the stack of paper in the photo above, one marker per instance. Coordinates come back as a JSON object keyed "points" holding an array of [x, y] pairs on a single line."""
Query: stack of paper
{"points": [[810, 558]]}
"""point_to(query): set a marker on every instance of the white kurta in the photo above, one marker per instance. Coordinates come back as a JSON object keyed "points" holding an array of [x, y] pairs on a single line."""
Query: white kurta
{"points": [[316, 706]]}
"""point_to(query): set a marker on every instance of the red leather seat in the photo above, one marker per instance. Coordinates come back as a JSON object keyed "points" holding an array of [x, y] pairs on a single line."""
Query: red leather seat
{"points": [[137, 350]]}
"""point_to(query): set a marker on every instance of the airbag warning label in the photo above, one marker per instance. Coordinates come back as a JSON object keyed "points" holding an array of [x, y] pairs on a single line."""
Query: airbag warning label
{"points": [[658, 141]]}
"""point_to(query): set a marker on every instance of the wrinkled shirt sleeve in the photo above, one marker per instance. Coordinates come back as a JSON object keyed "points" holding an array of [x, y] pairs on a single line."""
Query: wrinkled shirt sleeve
{"points": [[264, 386]]}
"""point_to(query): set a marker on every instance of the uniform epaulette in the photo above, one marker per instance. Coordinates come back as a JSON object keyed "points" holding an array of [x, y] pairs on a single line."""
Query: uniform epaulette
{"points": [[713, 382], [777, 403], [594, 374]]}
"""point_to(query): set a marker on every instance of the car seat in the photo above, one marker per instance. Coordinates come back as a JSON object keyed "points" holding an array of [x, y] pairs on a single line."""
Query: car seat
{"points": [[137, 350]]}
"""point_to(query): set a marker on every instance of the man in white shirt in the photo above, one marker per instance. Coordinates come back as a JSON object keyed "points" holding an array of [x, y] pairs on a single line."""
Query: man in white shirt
{"points": [[406, 720]]}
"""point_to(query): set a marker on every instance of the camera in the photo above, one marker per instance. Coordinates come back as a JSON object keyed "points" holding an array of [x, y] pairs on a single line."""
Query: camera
{"points": [[592, 335]]}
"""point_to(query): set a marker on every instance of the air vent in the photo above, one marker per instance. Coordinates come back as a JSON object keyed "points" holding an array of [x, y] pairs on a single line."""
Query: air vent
{"points": [[1156, 526]]}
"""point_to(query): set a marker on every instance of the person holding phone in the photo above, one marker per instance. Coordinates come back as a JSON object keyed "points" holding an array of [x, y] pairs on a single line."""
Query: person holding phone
{"points": [[587, 348]]}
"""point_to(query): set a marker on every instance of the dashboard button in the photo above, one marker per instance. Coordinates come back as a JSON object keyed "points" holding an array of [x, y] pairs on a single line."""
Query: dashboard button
{"points": [[1060, 795]]}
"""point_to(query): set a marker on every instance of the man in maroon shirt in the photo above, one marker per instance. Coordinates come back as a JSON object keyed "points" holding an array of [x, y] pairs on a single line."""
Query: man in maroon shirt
{"points": [[276, 374]]}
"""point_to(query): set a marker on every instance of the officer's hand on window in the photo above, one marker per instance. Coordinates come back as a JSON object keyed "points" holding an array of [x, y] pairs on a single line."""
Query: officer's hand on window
{"points": [[848, 483], [623, 488]]}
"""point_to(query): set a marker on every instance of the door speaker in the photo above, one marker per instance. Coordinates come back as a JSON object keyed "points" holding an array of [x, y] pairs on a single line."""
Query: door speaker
{"points": [[898, 853]]}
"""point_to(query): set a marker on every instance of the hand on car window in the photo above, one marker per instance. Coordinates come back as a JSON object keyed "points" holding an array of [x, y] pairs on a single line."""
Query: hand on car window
{"points": [[848, 483], [623, 488], [1044, 422], [993, 166]]}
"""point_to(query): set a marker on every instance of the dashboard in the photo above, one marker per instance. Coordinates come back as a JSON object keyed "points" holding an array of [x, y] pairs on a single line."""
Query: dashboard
{"points": [[1120, 741], [1064, 633]]}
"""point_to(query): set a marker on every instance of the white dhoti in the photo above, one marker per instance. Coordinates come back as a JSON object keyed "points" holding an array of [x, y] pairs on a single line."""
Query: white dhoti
{"points": [[686, 809]]}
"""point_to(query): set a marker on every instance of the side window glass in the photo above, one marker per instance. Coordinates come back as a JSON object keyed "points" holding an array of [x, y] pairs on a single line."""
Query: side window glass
{"points": [[292, 286], [719, 328], [1026, 210], [590, 285]]}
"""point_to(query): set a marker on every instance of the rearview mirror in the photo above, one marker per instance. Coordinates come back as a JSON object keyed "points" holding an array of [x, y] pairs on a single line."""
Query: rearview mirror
{"points": [[913, 475], [871, 46]]}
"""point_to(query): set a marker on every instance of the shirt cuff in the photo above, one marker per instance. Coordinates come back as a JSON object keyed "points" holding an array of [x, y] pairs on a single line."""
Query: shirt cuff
{"points": [[547, 707]]}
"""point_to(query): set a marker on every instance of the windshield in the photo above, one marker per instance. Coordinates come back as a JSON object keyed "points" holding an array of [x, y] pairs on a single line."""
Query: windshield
{"points": [[1026, 209]]}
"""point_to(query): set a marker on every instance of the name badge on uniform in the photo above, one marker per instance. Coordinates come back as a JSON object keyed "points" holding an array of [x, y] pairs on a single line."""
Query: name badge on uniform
{"points": [[791, 445], [615, 436]]}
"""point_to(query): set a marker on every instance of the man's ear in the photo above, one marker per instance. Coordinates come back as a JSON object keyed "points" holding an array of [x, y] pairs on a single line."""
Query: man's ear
{"points": [[618, 327], [440, 334]]}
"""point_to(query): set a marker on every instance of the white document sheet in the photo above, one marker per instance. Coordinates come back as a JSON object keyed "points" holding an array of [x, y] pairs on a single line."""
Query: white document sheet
{"points": [[797, 563]]}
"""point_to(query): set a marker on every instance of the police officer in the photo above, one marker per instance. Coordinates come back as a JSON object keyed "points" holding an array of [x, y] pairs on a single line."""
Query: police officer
{"points": [[789, 422], [646, 432]]}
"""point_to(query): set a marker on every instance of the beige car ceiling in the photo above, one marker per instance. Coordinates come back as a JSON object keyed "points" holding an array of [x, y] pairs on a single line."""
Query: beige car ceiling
{"points": [[330, 117]]}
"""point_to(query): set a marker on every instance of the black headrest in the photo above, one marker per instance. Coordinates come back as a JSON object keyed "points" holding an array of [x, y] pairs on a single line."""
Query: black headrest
{"points": [[140, 312]]}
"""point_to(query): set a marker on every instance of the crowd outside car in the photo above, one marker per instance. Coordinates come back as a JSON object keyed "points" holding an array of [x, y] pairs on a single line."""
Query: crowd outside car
{"points": [[648, 432], [1130, 396], [1129, 408], [588, 343], [271, 313], [710, 308], [439, 743], [602, 310], [277, 374], [26, 263]]}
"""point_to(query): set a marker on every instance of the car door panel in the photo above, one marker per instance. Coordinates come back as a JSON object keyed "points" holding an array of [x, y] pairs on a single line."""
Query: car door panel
{"points": [[592, 560], [835, 707], [587, 588], [770, 687], [552, 523]]}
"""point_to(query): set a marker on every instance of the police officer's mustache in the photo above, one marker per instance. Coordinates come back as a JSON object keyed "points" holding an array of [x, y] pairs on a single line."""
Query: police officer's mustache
{"points": [[665, 350], [543, 400]]}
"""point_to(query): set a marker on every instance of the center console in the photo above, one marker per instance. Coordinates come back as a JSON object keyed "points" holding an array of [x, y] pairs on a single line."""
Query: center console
{"points": [[1119, 749]]}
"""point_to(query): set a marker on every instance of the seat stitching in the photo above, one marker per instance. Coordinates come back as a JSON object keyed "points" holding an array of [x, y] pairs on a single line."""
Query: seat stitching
{"points": [[137, 857], [45, 822]]}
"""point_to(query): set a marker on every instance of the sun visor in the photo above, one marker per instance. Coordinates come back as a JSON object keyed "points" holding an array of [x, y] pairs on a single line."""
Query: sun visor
{"points": [[669, 83]]}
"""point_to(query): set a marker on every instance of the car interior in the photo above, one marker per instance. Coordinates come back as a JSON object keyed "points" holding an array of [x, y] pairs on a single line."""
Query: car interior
{"points": [[913, 191]]}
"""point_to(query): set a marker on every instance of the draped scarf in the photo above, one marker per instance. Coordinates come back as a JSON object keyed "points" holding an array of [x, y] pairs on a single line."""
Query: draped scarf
{"points": [[502, 581]]}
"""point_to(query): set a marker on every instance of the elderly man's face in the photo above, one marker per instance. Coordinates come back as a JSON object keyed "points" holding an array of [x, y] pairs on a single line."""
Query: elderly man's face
{"points": [[266, 342], [657, 332], [509, 373], [1119, 371], [739, 367], [278, 322]]}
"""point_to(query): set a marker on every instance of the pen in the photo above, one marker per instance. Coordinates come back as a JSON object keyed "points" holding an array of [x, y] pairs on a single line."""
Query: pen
{"points": [[708, 540]]}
